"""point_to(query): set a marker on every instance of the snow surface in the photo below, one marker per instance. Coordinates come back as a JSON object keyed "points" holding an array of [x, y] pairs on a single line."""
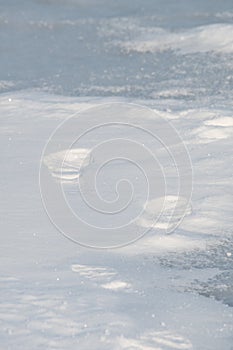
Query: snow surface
{"points": [[215, 37], [148, 295], [165, 291]]}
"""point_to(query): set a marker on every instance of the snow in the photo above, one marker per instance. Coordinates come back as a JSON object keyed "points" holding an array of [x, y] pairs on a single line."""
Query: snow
{"points": [[57, 294], [215, 38], [170, 283]]}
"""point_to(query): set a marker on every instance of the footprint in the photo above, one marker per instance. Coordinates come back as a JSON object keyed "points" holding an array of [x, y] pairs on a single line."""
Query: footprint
{"points": [[214, 129], [169, 210], [107, 278], [156, 341], [221, 121], [65, 166]]}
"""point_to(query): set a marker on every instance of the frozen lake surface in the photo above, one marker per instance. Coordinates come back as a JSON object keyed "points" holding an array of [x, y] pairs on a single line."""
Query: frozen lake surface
{"points": [[165, 291]]}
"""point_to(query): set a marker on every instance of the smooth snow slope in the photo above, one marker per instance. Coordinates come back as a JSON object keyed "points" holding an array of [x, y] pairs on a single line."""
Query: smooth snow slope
{"points": [[59, 57]]}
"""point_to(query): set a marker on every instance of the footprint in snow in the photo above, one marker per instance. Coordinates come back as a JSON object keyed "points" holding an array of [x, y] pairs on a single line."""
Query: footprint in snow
{"points": [[106, 278]]}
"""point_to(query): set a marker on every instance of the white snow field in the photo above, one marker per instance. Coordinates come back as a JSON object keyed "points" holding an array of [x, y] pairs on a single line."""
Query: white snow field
{"points": [[172, 288]]}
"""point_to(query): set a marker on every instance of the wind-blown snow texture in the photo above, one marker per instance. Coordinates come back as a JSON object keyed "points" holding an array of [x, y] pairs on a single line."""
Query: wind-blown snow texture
{"points": [[163, 292]]}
